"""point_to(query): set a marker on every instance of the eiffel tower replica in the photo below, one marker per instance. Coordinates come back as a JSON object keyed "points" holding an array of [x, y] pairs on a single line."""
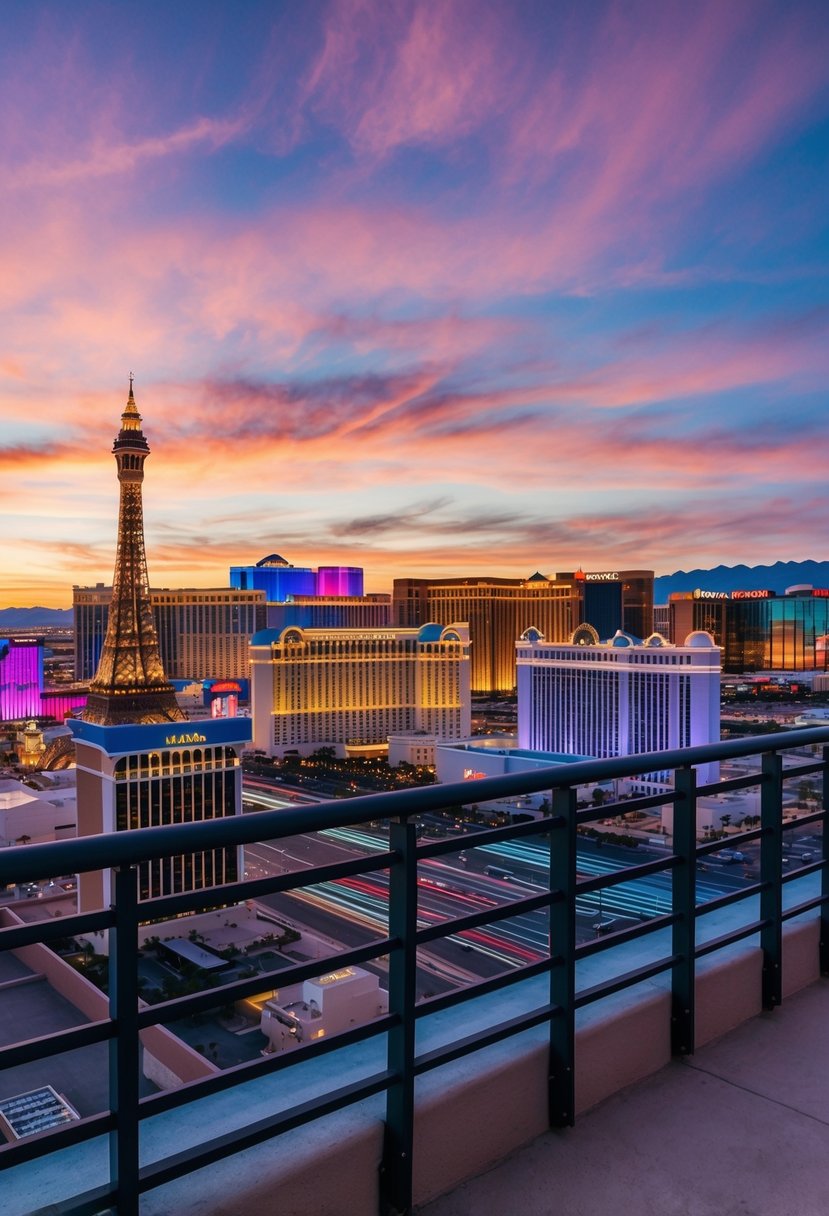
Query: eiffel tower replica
{"points": [[130, 685]]}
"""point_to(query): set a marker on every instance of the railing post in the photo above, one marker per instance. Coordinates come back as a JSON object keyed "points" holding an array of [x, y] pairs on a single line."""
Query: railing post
{"points": [[124, 1058], [771, 876], [684, 908], [396, 1167], [562, 1079], [824, 872]]}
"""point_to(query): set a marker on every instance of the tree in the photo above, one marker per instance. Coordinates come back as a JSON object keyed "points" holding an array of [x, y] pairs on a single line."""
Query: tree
{"points": [[725, 821], [598, 796], [24, 839]]}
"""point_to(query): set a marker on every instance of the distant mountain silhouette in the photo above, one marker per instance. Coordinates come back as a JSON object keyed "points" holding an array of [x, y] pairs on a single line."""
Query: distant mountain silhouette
{"points": [[35, 618], [744, 578]]}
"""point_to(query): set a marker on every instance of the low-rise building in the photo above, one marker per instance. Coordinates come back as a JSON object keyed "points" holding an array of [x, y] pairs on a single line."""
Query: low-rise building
{"points": [[326, 1005]]}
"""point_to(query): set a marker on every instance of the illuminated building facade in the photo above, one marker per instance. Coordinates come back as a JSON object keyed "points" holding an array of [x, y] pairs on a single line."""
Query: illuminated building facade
{"points": [[203, 633], [140, 762], [620, 697], [616, 599], [498, 611], [757, 629], [332, 612], [21, 678], [280, 580], [22, 694], [351, 689]]}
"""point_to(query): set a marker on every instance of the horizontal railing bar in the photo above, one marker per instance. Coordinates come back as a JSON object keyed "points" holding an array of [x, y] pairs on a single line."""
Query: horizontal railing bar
{"points": [[733, 838], [804, 820], [167, 906], [802, 770], [183, 1006], [728, 939], [608, 987], [248, 1070], [56, 1043], [64, 926], [263, 1129], [505, 979], [56, 1139], [475, 840], [618, 809], [483, 1038], [619, 936], [798, 909], [615, 878], [489, 916], [811, 867], [733, 783], [732, 897], [90, 1203], [22, 863]]}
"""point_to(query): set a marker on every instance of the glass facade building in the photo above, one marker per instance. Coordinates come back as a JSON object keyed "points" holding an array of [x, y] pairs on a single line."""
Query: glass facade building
{"points": [[759, 631]]}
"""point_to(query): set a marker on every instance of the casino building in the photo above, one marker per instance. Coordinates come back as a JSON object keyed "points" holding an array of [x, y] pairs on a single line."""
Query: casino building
{"points": [[619, 697], [499, 610], [203, 632], [759, 630], [351, 689], [280, 580], [140, 762]]}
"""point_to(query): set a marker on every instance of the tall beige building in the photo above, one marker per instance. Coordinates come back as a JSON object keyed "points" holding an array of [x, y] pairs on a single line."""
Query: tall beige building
{"points": [[203, 632], [350, 688], [498, 611]]}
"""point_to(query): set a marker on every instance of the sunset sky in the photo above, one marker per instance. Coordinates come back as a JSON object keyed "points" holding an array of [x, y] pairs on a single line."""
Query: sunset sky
{"points": [[430, 288]]}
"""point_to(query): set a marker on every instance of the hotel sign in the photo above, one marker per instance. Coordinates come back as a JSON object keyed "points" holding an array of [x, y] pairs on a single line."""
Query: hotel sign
{"points": [[178, 740], [752, 595], [712, 595], [608, 576]]}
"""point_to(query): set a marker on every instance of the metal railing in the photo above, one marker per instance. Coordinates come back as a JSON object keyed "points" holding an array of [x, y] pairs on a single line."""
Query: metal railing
{"points": [[121, 853]]}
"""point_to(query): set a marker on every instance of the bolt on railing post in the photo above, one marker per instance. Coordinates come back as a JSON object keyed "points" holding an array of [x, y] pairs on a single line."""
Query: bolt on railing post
{"points": [[396, 1166], [124, 1058], [683, 907], [824, 872], [771, 877], [562, 1080]]}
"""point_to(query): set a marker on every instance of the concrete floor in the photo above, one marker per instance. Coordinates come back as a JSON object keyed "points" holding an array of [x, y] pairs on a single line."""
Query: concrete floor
{"points": [[739, 1129]]}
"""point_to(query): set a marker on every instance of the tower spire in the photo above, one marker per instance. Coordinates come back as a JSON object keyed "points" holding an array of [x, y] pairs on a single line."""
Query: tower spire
{"points": [[130, 684]]}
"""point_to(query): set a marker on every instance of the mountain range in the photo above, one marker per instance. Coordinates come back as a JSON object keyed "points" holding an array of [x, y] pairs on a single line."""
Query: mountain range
{"points": [[744, 578], [720, 578], [35, 618]]}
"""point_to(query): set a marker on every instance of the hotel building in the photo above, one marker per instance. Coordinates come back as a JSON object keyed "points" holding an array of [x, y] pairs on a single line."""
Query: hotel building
{"points": [[759, 630], [203, 633], [140, 763], [351, 689], [498, 611], [280, 580], [620, 697], [331, 612]]}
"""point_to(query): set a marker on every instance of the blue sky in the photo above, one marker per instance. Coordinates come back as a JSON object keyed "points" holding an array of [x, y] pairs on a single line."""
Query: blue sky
{"points": [[432, 289]]}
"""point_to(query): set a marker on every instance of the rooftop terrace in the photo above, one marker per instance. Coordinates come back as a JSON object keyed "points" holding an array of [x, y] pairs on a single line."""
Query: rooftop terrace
{"points": [[392, 1115]]}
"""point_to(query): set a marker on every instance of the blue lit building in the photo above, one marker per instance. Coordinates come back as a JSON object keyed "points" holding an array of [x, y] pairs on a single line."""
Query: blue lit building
{"points": [[280, 580]]}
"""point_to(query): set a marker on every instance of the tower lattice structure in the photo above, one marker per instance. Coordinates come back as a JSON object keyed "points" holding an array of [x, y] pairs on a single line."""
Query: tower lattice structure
{"points": [[130, 684]]}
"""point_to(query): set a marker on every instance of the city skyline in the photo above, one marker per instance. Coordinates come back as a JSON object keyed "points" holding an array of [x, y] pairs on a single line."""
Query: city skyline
{"points": [[430, 290]]}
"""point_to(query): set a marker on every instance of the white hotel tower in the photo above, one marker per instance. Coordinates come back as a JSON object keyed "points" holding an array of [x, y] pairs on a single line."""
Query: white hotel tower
{"points": [[351, 689], [620, 697]]}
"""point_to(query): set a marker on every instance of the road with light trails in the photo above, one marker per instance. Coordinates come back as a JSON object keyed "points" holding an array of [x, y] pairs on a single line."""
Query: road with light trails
{"points": [[356, 909]]}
